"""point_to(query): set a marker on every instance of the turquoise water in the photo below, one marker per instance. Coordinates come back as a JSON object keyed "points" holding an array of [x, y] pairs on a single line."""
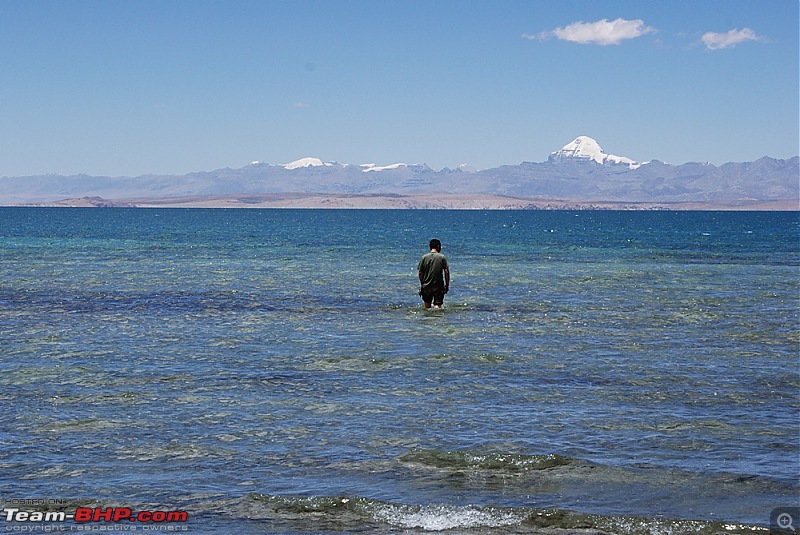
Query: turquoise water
{"points": [[273, 371]]}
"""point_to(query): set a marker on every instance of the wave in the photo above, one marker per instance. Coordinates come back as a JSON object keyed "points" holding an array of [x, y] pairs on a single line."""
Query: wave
{"points": [[363, 515], [521, 475], [263, 513], [464, 460]]}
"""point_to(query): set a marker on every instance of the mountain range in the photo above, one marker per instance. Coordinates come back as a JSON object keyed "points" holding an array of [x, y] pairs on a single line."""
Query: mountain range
{"points": [[579, 171]]}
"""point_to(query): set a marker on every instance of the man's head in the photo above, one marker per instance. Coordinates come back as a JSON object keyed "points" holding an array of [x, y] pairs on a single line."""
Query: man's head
{"points": [[436, 245]]}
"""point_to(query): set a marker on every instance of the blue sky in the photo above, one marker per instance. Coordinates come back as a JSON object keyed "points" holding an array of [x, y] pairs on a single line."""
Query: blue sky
{"points": [[129, 87]]}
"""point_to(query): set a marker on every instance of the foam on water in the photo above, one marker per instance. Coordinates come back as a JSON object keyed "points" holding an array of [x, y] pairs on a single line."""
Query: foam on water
{"points": [[444, 517]]}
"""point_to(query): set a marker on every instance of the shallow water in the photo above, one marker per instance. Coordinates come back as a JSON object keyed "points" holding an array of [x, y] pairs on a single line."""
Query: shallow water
{"points": [[274, 372]]}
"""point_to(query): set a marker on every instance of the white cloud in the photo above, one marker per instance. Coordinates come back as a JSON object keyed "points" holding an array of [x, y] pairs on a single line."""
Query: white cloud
{"points": [[718, 41], [603, 32], [539, 37]]}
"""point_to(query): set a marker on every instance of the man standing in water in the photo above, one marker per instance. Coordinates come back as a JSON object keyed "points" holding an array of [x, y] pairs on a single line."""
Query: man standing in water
{"points": [[434, 276]]}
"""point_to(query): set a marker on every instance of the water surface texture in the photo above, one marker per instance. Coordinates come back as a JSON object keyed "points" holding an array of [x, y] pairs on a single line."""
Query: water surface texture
{"points": [[273, 371]]}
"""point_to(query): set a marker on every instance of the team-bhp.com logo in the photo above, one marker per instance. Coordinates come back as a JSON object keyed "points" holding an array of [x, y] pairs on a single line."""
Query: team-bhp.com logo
{"points": [[20, 519]]}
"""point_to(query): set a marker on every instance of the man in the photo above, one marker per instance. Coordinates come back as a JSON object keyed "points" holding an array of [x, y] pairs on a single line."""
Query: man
{"points": [[434, 276]]}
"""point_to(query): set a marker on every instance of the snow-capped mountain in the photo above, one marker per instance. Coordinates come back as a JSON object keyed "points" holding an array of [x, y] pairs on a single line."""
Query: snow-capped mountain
{"points": [[367, 167], [586, 148], [580, 171], [306, 162]]}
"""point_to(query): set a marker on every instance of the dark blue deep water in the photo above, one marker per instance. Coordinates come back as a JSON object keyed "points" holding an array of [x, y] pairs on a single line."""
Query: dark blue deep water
{"points": [[273, 371]]}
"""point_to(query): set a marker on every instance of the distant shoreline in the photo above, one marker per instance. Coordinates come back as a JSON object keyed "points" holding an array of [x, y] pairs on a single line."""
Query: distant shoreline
{"points": [[408, 202]]}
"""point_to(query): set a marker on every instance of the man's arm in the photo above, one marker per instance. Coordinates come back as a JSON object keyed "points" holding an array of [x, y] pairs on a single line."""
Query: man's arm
{"points": [[447, 278]]}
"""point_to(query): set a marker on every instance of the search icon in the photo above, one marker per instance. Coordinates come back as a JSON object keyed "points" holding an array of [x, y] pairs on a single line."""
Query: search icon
{"points": [[783, 520]]}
